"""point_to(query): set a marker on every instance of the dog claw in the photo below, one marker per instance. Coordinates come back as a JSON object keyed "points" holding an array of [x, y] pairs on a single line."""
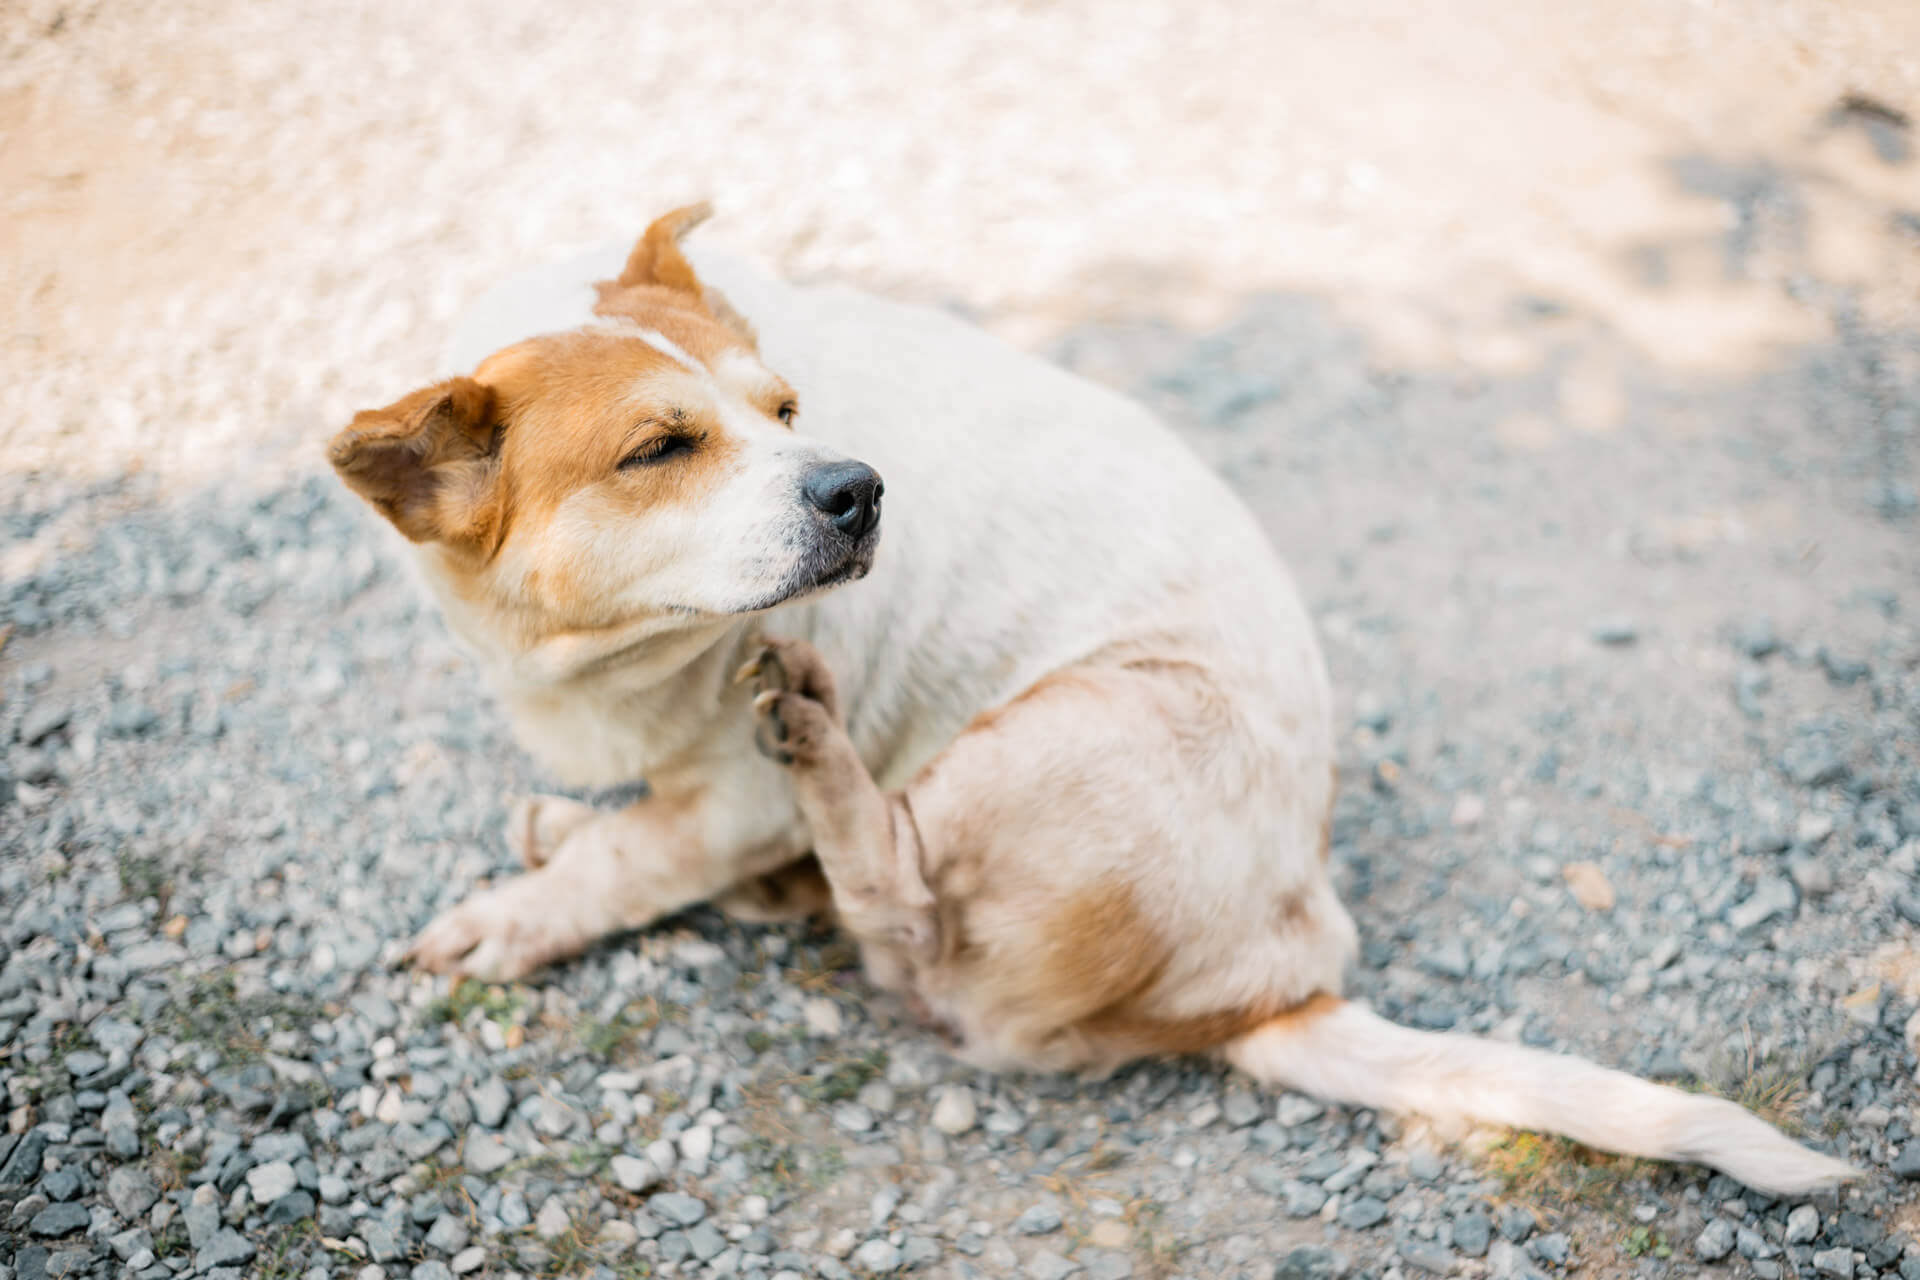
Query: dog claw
{"points": [[769, 730]]}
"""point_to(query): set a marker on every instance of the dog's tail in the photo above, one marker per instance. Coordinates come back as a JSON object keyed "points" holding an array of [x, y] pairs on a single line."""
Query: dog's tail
{"points": [[1344, 1053]]}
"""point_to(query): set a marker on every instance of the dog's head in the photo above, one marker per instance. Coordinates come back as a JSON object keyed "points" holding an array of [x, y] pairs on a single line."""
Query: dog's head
{"points": [[647, 467]]}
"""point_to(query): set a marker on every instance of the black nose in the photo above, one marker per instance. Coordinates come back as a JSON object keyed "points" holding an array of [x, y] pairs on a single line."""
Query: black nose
{"points": [[847, 494]]}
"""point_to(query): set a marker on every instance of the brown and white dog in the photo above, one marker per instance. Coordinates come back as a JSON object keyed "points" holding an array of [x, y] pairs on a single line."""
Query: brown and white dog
{"points": [[1070, 791]]}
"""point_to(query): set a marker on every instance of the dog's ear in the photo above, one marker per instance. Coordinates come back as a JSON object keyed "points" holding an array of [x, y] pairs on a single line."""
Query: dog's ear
{"points": [[427, 462], [657, 262], [657, 259]]}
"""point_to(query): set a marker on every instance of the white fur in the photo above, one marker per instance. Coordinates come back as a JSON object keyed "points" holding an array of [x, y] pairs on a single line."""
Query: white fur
{"points": [[1350, 1055]]}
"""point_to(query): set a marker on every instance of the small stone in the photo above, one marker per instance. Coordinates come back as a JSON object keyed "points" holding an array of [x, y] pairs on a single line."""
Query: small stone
{"points": [[268, 1182], [1803, 1225], [1812, 876], [1772, 896], [1297, 1109], [431, 1269], [853, 1118], [1427, 1256], [1516, 1223], [61, 1219], [634, 1174], [919, 1252], [228, 1248], [1308, 1262], [552, 1221], [1241, 1108], [955, 1112], [335, 1190], [1615, 632], [295, 1206], [1424, 1166], [822, 1017], [448, 1234], [1468, 810], [1837, 1263], [705, 1240], [678, 1208], [877, 1256], [469, 1260], [696, 1145], [1752, 1245], [1841, 670], [1756, 637], [1039, 1220], [1304, 1200], [1472, 1233], [486, 1152], [132, 1191], [490, 1099], [1715, 1242], [1553, 1247], [1589, 885], [1048, 1265], [1448, 960], [1363, 1212]]}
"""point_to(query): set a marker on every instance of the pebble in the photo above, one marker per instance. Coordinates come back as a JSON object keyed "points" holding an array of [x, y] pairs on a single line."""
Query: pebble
{"points": [[469, 1260], [268, 1182], [1803, 1224], [1714, 1242], [1772, 896], [228, 1248], [1472, 1232], [634, 1174], [490, 1100], [1048, 1265], [552, 1221], [955, 1111], [677, 1207], [60, 1219], [1241, 1108], [1297, 1109], [1615, 632], [132, 1191], [1039, 1220], [1427, 1257], [822, 1017], [878, 1257], [1836, 1263], [485, 1153], [1362, 1212]]}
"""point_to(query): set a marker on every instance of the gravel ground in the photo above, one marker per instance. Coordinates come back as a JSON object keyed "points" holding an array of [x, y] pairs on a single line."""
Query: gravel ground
{"points": [[1630, 677]]}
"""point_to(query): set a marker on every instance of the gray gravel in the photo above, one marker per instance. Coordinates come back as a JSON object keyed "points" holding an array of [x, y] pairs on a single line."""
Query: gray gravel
{"points": [[242, 764]]}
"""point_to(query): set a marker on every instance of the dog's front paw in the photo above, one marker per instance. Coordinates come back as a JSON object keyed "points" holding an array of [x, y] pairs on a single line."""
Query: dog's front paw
{"points": [[796, 709], [538, 825], [496, 935]]}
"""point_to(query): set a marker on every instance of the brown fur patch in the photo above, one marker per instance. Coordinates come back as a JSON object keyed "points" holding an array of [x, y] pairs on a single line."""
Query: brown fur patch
{"points": [[1103, 945]]}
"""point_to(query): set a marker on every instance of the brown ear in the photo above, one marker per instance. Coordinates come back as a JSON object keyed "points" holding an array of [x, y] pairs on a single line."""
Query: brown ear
{"points": [[426, 461], [656, 262], [657, 258]]}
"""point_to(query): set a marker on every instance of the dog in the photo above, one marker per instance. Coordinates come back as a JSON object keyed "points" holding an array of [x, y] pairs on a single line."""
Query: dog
{"points": [[1062, 764]]}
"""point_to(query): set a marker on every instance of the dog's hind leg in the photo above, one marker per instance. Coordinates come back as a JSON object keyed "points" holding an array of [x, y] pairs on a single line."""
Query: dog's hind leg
{"points": [[864, 838]]}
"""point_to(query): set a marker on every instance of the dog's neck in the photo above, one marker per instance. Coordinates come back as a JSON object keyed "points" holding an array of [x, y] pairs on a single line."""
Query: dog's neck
{"points": [[606, 706]]}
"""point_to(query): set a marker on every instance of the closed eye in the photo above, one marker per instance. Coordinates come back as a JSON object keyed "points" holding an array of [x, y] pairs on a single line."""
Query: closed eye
{"points": [[659, 449]]}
